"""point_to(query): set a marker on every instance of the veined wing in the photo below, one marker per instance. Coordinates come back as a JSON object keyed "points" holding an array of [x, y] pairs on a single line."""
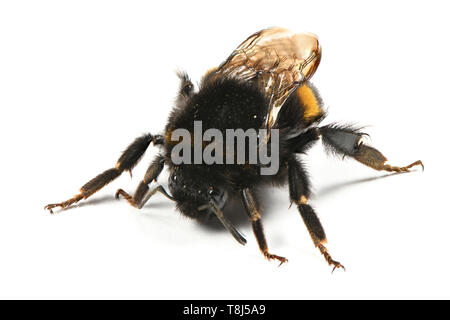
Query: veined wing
{"points": [[278, 59]]}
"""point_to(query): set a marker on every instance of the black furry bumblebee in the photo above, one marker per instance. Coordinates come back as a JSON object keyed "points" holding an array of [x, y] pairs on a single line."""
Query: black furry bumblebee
{"points": [[264, 84]]}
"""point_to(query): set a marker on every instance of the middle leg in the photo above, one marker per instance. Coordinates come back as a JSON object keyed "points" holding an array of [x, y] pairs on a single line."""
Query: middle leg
{"points": [[299, 191], [255, 217]]}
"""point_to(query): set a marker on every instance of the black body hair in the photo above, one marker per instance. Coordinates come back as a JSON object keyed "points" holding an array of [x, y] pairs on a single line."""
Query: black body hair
{"points": [[237, 95]]}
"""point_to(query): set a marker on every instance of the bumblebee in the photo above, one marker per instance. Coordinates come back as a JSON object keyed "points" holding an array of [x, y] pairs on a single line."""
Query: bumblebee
{"points": [[263, 84]]}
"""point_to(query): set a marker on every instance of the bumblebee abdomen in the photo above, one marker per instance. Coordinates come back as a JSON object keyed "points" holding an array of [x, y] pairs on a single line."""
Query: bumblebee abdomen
{"points": [[303, 108], [311, 101]]}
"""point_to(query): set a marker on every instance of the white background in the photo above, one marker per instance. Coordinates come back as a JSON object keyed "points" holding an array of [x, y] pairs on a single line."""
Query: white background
{"points": [[79, 80]]}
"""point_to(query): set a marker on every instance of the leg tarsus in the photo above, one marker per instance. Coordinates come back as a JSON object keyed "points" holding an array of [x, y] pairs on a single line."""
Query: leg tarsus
{"points": [[270, 256], [329, 259], [64, 204], [388, 167], [126, 196], [135, 203]]}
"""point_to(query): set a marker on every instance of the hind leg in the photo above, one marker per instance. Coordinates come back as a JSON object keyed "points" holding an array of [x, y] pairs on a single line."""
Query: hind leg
{"points": [[347, 142]]}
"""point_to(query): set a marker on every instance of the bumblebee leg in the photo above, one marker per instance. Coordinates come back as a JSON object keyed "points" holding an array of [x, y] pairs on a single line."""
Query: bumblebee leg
{"points": [[143, 193], [347, 142], [299, 192], [373, 158], [147, 197], [255, 218], [302, 142], [129, 158]]}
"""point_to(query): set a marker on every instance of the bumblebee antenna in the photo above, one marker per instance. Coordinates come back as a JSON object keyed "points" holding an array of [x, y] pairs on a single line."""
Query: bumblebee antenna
{"points": [[225, 222]]}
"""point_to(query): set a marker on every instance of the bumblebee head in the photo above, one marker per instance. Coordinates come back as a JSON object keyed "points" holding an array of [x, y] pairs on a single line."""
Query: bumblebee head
{"points": [[194, 193]]}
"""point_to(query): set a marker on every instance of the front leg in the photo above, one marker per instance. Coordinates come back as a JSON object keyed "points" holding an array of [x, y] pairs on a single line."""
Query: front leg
{"points": [[143, 193], [129, 158], [255, 218]]}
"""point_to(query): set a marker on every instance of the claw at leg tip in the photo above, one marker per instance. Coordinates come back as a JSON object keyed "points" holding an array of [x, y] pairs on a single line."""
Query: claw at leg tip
{"points": [[423, 167], [49, 208], [282, 261], [337, 266]]}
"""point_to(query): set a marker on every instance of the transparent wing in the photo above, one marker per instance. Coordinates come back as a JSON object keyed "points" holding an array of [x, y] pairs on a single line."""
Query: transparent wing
{"points": [[278, 59]]}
